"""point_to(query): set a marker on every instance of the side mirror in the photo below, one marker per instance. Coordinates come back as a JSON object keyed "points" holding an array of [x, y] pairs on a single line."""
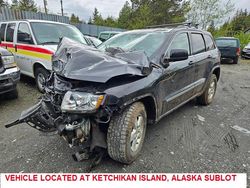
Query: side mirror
{"points": [[175, 55], [178, 55]]}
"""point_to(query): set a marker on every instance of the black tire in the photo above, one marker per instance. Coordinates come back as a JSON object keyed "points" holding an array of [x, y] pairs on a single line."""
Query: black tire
{"points": [[41, 74], [12, 94], [205, 98], [236, 60], [120, 146]]}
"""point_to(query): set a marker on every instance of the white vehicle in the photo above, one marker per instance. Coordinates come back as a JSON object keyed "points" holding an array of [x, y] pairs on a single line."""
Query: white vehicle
{"points": [[33, 42]]}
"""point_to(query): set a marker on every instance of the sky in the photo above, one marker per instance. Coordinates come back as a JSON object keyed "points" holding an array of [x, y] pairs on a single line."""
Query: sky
{"points": [[84, 8]]}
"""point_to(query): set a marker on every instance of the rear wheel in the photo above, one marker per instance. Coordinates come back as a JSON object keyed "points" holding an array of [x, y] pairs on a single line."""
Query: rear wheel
{"points": [[236, 60], [41, 75], [208, 95], [126, 133]]}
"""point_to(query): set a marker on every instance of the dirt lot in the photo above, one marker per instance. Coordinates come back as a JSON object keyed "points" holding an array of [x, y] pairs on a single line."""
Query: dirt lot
{"points": [[191, 139]]}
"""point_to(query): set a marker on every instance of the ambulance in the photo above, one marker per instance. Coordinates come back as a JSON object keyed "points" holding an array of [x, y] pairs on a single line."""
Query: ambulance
{"points": [[33, 42]]}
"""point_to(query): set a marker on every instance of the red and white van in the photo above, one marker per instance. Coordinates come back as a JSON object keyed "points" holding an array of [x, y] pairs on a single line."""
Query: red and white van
{"points": [[33, 43]]}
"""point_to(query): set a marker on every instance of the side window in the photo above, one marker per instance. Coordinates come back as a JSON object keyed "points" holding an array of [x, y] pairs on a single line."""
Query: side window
{"points": [[2, 31], [10, 32], [24, 34], [198, 44], [180, 41], [209, 43]]}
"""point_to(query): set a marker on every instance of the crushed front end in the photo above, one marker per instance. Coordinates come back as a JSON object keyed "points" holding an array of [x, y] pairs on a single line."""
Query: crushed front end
{"points": [[79, 98], [78, 113]]}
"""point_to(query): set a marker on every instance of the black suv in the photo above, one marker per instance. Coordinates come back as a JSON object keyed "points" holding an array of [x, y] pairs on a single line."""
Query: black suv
{"points": [[104, 98]]}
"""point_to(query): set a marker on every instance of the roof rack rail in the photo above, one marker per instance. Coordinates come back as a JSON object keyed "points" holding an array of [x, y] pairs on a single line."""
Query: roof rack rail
{"points": [[188, 24]]}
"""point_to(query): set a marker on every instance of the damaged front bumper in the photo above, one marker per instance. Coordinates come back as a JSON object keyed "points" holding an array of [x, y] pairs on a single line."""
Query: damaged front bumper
{"points": [[84, 130]]}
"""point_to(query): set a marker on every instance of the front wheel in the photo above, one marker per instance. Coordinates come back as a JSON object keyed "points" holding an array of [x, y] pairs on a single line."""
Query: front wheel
{"points": [[41, 75], [126, 133], [208, 95]]}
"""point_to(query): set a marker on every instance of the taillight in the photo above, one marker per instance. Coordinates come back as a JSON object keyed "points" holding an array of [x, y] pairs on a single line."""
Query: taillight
{"points": [[238, 51]]}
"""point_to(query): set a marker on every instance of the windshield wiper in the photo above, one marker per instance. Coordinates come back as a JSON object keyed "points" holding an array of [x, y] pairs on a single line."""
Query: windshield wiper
{"points": [[114, 50], [49, 42]]}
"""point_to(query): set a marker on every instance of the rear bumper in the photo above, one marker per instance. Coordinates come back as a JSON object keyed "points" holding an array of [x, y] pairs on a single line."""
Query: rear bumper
{"points": [[9, 79]]}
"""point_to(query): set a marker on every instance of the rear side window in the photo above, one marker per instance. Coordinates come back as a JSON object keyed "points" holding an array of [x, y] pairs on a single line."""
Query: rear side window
{"points": [[24, 34], [180, 42], [209, 43], [10, 32], [198, 44], [2, 31]]}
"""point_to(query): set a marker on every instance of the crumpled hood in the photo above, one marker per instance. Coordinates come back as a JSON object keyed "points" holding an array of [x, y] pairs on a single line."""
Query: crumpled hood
{"points": [[80, 62]]}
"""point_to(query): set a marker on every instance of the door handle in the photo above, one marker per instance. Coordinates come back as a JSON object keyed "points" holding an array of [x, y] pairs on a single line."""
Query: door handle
{"points": [[209, 56], [191, 62]]}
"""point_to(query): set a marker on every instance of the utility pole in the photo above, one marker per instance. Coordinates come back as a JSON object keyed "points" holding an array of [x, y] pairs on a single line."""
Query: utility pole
{"points": [[45, 6], [62, 6]]}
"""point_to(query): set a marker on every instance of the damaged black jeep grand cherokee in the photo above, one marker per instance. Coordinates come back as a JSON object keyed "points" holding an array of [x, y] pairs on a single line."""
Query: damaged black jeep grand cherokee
{"points": [[106, 97]]}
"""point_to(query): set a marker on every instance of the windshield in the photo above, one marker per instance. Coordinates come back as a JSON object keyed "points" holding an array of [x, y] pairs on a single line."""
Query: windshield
{"points": [[226, 43], [148, 42], [50, 33]]}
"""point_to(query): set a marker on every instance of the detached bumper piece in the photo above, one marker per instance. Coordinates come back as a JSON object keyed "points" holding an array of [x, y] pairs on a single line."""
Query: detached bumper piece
{"points": [[37, 117]]}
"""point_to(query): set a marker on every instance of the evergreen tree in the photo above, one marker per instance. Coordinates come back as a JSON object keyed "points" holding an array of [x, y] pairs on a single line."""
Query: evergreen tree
{"points": [[3, 3], [27, 5], [97, 18], [14, 4]]}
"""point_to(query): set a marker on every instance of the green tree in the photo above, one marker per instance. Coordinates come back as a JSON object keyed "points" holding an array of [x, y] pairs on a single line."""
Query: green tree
{"points": [[3, 3], [14, 4], [97, 18], [125, 16], [75, 19], [204, 12], [142, 13], [27, 5]]}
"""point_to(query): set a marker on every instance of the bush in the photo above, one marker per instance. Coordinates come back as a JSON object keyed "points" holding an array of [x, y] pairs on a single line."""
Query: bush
{"points": [[244, 39]]}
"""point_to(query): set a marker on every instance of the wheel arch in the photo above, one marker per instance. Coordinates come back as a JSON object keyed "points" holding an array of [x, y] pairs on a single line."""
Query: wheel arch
{"points": [[36, 65], [149, 102], [216, 71]]}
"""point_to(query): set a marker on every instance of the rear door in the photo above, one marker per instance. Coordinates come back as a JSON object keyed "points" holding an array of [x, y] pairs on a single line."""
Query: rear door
{"points": [[177, 85], [203, 60]]}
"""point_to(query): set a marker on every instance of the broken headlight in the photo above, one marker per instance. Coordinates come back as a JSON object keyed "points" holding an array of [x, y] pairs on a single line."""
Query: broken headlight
{"points": [[8, 61], [81, 102]]}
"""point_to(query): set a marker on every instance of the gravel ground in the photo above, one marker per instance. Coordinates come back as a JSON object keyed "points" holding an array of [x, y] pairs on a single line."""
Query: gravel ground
{"points": [[191, 139]]}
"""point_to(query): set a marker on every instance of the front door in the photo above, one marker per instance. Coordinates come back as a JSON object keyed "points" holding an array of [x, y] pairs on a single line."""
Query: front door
{"points": [[23, 44], [177, 85]]}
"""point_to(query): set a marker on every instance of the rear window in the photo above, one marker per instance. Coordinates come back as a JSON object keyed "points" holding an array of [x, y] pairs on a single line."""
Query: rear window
{"points": [[2, 31], [226, 43], [209, 43]]}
